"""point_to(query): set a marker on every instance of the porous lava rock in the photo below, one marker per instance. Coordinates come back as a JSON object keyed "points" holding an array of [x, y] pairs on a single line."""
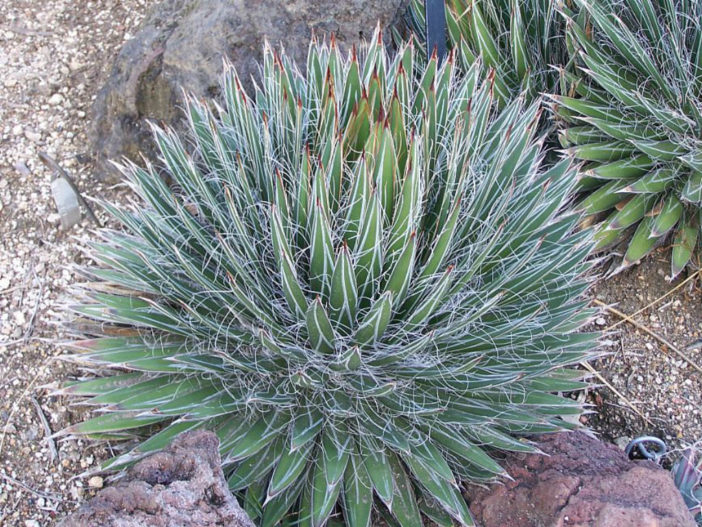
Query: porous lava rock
{"points": [[182, 44], [181, 486], [580, 482]]}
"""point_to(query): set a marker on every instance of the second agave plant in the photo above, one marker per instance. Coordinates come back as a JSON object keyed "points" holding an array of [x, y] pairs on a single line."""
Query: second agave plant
{"points": [[361, 280], [636, 122]]}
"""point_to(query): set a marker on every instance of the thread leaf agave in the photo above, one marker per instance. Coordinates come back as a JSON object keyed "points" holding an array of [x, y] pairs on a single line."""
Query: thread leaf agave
{"points": [[636, 122], [361, 280]]}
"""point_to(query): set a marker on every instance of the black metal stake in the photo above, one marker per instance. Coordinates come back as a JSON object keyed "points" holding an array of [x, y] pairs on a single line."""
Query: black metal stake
{"points": [[436, 28]]}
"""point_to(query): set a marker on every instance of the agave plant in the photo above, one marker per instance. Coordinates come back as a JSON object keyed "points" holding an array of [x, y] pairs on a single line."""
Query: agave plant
{"points": [[360, 280], [637, 122], [687, 475], [523, 41]]}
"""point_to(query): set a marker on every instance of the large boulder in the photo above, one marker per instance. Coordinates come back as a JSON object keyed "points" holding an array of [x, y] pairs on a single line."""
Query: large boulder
{"points": [[182, 44], [182, 485], [580, 482]]}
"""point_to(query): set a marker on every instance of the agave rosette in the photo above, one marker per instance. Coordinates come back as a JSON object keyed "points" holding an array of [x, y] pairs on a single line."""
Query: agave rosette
{"points": [[687, 476], [636, 122], [361, 280], [523, 42]]}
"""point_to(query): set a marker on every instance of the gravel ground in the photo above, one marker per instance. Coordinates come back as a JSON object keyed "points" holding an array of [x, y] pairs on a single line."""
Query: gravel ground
{"points": [[53, 56], [658, 376]]}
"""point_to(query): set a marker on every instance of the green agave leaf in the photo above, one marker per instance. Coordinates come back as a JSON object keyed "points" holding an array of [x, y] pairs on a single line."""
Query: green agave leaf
{"points": [[289, 468], [463, 448], [654, 182], [253, 500], [683, 245], [692, 191], [603, 198], [255, 467], [321, 252], [326, 479], [428, 455], [404, 505], [319, 328], [343, 299], [306, 425], [641, 242], [399, 279], [376, 463], [667, 218], [103, 385], [375, 322], [357, 493], [359, 202], [260, 434], [369, 257], [112, 423], [434, 511], [277, 507], [631, 212], [449, 497]]}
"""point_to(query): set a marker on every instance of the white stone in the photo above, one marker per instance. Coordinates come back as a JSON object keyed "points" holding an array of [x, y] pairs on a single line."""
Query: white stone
{"points": [[66, 202], [96, 482], [32, 135]]}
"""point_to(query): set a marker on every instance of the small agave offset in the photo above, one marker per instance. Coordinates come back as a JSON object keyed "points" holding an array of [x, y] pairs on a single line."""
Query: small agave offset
{"points": [[687, 476], [360, 279], [636, 122]]}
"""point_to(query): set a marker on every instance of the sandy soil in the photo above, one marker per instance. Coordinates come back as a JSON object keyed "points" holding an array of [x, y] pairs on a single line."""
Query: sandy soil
{"points": [[53, 56]]}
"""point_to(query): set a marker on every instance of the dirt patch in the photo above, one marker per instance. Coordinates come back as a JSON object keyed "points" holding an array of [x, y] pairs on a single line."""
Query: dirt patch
{"points": [[659, 383]]}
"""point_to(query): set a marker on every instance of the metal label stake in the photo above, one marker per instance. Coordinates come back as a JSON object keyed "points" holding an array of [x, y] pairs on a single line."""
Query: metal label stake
{"points": [[436, 28]]}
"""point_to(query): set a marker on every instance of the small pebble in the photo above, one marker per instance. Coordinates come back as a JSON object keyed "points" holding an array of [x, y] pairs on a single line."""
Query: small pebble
{"points": [[22, 168], [95, 482], [32, 135]]}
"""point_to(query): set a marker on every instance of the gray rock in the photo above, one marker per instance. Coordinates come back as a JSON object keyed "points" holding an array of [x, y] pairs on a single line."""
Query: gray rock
{"points": [[66, 202], [182, 485], [182, 43]]}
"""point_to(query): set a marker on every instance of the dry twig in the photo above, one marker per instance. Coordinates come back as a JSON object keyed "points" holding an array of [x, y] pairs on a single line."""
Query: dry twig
{"points": [[33, 318], [47, 431], [616, 392], [27, 488], [15, 408]]}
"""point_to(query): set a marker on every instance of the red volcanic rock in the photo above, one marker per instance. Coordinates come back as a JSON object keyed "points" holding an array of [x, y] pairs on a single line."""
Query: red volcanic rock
{"points": [[580, 482], [182, 485]]}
